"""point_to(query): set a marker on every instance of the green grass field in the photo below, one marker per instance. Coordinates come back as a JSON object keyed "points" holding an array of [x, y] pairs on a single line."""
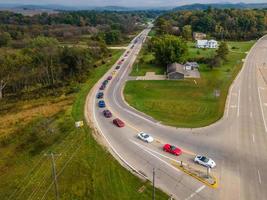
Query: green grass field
{"points": [[186, 104], [85, 170]]}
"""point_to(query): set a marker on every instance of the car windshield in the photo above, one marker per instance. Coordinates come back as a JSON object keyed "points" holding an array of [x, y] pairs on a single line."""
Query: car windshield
{"points": [[204, 159], [145, 135], [172, 147]]}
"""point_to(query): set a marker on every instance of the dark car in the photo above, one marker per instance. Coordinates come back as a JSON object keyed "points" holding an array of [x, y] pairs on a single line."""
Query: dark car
{"points": [[105, 82], [107, 113], [102, 87], [118, 122], [132, 46], [100, 95], [109, 78], [101, 104], [172, 149], [117, 67]]}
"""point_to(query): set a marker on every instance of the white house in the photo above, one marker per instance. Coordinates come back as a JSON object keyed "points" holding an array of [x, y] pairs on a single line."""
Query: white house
{"points": [[212, 44]]}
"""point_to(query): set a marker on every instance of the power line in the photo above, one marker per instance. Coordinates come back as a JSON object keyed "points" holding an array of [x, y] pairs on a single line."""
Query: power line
{"points": [[54, 173], [49, 187], [25, 177]]}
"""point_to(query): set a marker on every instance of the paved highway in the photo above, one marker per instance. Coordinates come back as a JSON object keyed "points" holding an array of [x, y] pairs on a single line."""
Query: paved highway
{"points": [[237, 142]]}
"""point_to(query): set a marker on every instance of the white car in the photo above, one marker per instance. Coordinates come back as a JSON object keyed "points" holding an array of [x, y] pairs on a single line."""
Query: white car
{"points": [[207, 162], [145, 137]]}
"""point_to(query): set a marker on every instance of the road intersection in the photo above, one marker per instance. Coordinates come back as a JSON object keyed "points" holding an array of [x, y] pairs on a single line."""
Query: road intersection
{"points": [[237, 142]]}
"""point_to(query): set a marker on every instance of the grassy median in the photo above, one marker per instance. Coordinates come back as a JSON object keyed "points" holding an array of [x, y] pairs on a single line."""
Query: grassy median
{"points": [[189, 103], [85, 169]]}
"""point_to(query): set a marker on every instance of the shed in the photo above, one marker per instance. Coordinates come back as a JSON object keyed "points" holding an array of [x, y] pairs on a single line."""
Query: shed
{"points": [[175, 71], [191, 66]]}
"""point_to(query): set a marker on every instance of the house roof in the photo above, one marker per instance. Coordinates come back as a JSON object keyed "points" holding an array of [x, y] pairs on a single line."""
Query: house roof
{"points": [[175, 67], [202, 42]]}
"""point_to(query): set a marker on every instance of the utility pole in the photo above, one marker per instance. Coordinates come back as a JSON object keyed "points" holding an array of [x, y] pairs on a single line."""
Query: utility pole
{"points": [[54, 173], [153, 184]]}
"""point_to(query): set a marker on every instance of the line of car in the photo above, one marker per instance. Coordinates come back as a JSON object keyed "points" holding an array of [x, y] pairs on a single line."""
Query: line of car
{"points": [[202, 160], [100, 95]]}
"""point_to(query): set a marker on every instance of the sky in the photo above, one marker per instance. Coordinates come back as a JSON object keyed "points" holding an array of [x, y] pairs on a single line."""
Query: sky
{"points": [[126, 3]]}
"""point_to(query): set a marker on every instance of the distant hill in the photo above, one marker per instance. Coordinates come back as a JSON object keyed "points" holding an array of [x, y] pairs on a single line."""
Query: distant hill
{"points": [[222, 6], [75, 8]]}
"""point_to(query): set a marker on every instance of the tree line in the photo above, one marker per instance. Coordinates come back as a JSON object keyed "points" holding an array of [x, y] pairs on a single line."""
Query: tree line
{"points": [[111, 26], [223, 24]]}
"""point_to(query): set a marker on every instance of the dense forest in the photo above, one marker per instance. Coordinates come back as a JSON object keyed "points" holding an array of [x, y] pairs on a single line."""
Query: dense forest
{"points": [[230, 24], [38, 53]]}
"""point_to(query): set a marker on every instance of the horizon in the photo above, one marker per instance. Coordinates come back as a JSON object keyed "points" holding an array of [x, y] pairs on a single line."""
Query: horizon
{"points": [[123, 3]]}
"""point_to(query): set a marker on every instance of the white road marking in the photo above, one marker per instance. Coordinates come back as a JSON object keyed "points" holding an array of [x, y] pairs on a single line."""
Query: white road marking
{"points": [[259, 175], [238, 104], [230, 97], [196, 192], [250, 114], [262, 113], [250, 98], [253, 138], [233, 106]]}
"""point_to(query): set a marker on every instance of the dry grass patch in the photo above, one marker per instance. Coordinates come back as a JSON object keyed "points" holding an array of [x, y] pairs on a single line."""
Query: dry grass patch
{"points": [[25, 111]]}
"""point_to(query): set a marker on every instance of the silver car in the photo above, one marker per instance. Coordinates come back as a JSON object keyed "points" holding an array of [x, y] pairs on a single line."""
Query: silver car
{"points": [[145, 137], [207, 162]]}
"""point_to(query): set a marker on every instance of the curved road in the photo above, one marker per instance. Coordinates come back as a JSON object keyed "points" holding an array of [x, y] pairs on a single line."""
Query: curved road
{"points": [[237, 143]]}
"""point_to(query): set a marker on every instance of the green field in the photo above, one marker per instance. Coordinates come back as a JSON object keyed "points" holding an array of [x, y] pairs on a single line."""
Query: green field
{"points": [[184, 103], [85, 170]]}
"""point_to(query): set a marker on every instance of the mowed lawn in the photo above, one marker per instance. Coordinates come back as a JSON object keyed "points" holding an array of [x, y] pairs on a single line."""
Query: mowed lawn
{"points": [[185, 103], [85, 169]]}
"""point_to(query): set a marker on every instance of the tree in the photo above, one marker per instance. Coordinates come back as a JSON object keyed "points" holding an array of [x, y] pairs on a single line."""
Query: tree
{"points": [[5, 39], [187, 32], [223, 51], [112, 36], [216, 61], [45, 52], [169, 49]]}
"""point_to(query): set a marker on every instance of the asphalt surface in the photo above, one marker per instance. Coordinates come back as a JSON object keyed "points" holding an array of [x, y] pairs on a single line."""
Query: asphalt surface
{"points": [[237, 143]]}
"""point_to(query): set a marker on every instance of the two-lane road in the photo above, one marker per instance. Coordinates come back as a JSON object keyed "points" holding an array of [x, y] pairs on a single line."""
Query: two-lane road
{"points": [[237, 142]]}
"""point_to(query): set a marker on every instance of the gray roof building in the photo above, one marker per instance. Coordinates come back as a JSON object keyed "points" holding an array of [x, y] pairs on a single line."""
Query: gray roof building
{"points": [[175, 71]]}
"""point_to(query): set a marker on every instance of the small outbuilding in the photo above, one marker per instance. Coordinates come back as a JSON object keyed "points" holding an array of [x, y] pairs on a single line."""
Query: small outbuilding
{"points": [[191, 66], [199, 36], [175, 71]]}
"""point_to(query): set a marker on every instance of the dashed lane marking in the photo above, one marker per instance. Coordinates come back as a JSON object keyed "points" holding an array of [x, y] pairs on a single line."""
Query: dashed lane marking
{"points": [[259, 175], [196, 192]]}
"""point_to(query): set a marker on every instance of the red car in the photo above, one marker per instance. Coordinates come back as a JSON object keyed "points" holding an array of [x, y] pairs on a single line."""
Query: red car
{"points": [[118, 122], [107, 113], [172, 149], [109, 78]]}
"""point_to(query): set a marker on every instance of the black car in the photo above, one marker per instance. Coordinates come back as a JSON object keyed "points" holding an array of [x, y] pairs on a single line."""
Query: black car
{"points": [[107, 113], [100, 95], [117, 67], [105, 82]]}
